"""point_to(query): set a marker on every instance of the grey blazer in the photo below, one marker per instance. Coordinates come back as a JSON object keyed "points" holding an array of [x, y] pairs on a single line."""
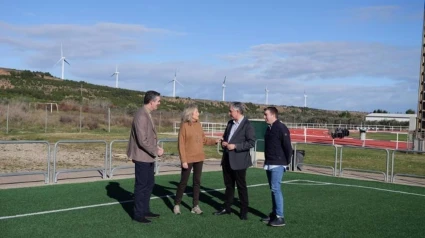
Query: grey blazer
{"points": [[142, 145], [244, 139]]}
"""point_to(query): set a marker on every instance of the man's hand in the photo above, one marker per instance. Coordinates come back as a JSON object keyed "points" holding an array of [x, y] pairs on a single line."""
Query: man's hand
{"points": [[224, 143], [218, 140], [160, 151], [231, 146], [185, 166]]}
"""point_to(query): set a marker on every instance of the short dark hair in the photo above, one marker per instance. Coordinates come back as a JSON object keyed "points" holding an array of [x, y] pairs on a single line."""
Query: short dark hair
{"points": [[272, 110], [150, 96], [238, 106]]}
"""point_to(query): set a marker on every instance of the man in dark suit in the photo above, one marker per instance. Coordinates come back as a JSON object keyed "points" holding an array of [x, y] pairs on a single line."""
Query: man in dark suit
{"points": [[238, 139], [142, 150]]}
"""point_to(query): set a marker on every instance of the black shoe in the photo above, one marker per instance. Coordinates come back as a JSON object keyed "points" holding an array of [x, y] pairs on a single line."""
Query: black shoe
{"points": [[280, 221], [151, 215], [244, 216], [222, 212], [271, 217], [142, 220]]}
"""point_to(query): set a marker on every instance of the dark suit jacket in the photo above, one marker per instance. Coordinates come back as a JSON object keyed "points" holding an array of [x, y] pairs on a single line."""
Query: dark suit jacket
{"points": [[142, 145], [244, 139]]}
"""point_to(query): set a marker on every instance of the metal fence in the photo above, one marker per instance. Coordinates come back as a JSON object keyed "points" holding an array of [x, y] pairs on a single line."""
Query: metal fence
{"points": [[111, 167], [46, 172], [101, 169], [296, 163], [210, 128], [405, 156], [388, 163], [76, 118], [387, 128]]}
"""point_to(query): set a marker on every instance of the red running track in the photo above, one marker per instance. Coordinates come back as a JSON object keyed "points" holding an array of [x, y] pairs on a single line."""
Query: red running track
{"points": [[321, 136]]}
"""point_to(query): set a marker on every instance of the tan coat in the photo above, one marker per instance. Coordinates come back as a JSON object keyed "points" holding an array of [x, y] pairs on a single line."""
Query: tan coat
{"points": [[191, 142], [142, 145]]}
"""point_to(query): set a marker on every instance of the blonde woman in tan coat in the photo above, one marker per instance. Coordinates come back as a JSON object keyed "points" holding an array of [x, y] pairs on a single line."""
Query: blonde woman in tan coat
{"points": [[190, 143]]}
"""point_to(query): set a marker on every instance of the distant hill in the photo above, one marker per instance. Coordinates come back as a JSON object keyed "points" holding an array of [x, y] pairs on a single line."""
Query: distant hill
{"points": [[42, 87]]}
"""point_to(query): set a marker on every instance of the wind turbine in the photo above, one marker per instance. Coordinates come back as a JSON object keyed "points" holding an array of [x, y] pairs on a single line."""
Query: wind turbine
{"points": [[63, 62], [305, 99], [174, 84], [267, 95], [116, 76], [224, 86]]}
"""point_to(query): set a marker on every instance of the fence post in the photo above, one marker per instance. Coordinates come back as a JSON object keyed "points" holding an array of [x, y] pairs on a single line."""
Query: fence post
{"points": [[80, 117], [45, 122], [7, 120], [109, 119], [159, 123], [396, 146]]}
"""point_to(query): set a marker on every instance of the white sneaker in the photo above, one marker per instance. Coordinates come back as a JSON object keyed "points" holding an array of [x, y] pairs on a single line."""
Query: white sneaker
{"points": [[196, 210], [176, 209]]}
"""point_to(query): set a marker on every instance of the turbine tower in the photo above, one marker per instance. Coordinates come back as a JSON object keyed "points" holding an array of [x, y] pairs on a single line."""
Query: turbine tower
{"points": [[267, 95], [174, 83], [116, 76], [63, 62], [305, 99], [224, 86]]}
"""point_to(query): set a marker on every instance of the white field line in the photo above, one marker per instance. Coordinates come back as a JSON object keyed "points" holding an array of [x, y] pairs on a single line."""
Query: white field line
{"points": [[356, 186], [293, 182], [116, 203]]}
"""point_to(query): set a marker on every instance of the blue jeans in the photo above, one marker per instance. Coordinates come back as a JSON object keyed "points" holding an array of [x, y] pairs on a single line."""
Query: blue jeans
{"points": [[274, 177]]}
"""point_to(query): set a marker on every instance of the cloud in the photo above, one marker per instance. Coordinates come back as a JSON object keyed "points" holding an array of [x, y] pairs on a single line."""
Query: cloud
{"points": [[330, 60], [80, 42], [336, 75]]}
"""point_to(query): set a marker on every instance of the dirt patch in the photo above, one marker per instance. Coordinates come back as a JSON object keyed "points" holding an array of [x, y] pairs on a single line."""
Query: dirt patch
{"points": [[23, 158], [33, 157], [4, 72], [5, 84]]}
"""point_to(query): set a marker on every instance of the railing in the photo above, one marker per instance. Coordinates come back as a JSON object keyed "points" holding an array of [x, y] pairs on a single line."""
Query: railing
{"points": [[111, 168], [387, 160], [346, 126], [158, 161], [210, 128], [393, 158], [46, 173], [390, 172], [56, 173], [295, 160]]}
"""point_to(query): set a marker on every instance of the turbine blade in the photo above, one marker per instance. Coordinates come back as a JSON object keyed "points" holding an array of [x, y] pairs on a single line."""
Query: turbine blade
{"points": [[179, 83], [66, 61], [58, 62], [113, 74], [224, 82]]}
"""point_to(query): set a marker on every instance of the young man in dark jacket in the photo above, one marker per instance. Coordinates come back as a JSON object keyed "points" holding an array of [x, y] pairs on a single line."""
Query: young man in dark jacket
{"points": [[278, 153]]}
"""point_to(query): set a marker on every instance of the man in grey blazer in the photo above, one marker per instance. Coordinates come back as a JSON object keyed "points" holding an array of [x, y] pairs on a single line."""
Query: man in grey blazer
{"points": [[238, 139], [142, 150]]}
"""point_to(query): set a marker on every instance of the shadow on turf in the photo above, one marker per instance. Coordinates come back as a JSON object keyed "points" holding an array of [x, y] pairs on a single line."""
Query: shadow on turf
{"points": [[209, 197], [125, 198]]}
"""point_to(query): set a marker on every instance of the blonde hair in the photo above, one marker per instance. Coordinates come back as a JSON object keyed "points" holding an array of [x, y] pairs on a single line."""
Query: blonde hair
{"points": [[187, 114]]}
